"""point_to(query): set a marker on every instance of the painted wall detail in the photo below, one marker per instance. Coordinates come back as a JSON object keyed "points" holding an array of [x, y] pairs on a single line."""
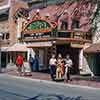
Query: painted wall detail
{"points": [[39, 24]]}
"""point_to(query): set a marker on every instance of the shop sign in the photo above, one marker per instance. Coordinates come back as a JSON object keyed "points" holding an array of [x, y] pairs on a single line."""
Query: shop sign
{"points": [[41, 35], [39, 26], [38, 35]]}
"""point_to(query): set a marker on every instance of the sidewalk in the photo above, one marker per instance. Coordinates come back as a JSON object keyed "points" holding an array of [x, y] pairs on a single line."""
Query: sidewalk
{"points": [[77, 80]]}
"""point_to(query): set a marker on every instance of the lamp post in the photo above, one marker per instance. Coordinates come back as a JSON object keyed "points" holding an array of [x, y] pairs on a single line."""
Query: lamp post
{"points": [[0, 51]]}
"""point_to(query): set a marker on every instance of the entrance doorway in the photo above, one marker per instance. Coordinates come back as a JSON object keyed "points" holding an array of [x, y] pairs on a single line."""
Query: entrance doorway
{"points": [[97, 64], [74, 55]]}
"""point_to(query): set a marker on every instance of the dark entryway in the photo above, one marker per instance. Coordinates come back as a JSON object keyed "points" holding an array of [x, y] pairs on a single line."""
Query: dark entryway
{"points": [[94, 63], [97, 64], [3, 59], [74, 54]]}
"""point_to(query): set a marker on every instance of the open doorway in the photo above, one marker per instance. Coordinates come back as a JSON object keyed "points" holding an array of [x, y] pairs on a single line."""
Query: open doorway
{"points": [[97, 64]]}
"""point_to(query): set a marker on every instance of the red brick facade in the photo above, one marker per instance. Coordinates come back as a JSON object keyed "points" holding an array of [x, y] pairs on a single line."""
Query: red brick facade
{"points": [[12, 25]]}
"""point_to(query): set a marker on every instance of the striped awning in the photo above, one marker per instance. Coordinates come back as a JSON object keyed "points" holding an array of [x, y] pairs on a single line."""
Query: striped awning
{"points": [[39, 44], [4, 49], [18, 48]]}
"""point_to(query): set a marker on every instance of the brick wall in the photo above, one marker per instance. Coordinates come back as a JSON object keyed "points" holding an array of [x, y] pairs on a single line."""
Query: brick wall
{"points": [[12, 25]]}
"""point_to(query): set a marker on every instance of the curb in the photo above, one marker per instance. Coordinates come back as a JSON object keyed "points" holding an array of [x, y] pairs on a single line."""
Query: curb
{"points": [[54, 83]]}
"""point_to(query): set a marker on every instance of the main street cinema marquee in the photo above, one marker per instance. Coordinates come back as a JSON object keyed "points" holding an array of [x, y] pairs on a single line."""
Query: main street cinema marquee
{"points": [[39, 28], [43, 29]]}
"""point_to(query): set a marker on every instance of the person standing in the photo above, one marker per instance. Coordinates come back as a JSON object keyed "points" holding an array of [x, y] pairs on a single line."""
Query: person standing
{"points": [[68, 67], [19, 63], [36, 63], [52, 66], [31, 61]]}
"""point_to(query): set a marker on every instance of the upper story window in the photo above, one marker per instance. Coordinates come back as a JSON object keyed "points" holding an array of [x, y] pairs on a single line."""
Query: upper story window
{"points": [[75, 24], [3, 17], [64, 34], [64, 25]]}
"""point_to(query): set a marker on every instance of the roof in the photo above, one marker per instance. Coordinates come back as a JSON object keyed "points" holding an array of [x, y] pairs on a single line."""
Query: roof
{"points": [[94, 48], [30, 1]]}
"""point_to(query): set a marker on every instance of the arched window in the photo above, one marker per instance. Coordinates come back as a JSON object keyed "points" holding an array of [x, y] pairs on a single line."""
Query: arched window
{"points": [[64, 24], [75, 24]]}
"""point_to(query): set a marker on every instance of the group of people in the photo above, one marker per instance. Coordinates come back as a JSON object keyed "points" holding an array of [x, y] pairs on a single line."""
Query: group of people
{"points": [[33, 63], [60, 67]]}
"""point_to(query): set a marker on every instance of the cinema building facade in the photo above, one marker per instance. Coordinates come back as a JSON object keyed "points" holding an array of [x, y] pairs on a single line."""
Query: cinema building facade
{"points": [[55, 29]]}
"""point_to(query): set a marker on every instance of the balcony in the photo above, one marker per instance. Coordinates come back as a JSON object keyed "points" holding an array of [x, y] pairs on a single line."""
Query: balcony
{"points": [[71, 36]]}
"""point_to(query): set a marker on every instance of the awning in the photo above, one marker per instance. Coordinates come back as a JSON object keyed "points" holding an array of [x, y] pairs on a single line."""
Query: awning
{"points": [[39, 44], [94, 48], [18, 48], [4, 49]]}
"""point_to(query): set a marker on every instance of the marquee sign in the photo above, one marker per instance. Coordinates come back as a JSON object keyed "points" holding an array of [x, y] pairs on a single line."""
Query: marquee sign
{"points": [[39, 26]]}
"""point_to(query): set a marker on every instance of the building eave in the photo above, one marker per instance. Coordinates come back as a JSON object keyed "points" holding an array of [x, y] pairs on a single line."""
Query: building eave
{"points": [[4, 8]]}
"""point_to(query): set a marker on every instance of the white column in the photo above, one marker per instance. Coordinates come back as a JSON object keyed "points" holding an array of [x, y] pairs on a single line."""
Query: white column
{"points": [[81, 59], [19, 27]]}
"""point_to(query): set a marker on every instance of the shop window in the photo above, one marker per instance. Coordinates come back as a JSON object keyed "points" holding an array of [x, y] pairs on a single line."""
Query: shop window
{"points": [[88, 36], [64, 34], [3, 17], [64, 25], [75, 24], [7, 36]]}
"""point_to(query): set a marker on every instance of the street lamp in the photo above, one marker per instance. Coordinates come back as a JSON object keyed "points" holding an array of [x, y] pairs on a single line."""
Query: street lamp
{"points": [[0, 51]]}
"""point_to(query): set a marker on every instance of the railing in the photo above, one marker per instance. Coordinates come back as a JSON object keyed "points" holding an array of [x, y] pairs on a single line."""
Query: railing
{"points": [[71, 35]]}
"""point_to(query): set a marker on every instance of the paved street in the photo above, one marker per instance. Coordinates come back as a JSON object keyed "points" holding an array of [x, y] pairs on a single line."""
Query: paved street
{"points": [[13, 88]]}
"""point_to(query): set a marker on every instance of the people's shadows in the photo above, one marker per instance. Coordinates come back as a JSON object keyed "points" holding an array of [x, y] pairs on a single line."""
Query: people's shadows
{"points": [[56, 97]]}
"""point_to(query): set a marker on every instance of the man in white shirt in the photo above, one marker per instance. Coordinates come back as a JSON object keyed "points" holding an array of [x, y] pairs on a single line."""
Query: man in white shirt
{"points": [[52, 66], [68, 67]]}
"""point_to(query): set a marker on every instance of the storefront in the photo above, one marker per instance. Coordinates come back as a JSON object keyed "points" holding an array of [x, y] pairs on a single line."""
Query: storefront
{"points": [[92, 55], [44, 35]]}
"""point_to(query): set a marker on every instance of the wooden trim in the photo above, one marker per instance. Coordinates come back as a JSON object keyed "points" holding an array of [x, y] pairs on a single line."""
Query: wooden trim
{"points": [[38, 31], [58, 39]]}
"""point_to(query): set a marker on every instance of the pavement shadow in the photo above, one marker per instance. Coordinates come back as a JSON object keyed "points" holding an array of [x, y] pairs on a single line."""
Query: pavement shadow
{"points": [[56, 97]]}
